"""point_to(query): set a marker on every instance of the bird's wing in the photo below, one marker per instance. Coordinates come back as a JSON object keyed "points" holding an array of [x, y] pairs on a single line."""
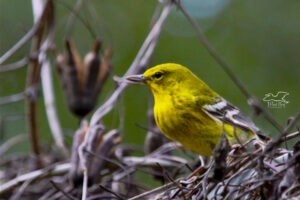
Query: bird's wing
{"points": [[226, 112]]}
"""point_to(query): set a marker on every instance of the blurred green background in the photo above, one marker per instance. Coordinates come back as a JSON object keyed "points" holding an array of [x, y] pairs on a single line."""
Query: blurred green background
{"points": [[259, 39]]}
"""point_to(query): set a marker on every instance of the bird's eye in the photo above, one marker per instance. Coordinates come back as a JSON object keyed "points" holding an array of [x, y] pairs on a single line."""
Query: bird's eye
{"points": [[157, 75]]}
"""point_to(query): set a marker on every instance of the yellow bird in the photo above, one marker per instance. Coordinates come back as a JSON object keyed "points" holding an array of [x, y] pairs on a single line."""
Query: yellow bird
{"points": [[187, 111]]}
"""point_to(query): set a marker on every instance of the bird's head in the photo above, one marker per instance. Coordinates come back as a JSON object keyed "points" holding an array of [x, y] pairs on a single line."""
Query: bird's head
{"points": [[164, 78]]}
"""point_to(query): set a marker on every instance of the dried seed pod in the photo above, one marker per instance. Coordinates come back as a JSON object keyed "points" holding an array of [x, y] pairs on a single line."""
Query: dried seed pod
{"points": [[82, 82], [104, 150], [92, 65], [105, 68], [85, 140], [89, 150]]}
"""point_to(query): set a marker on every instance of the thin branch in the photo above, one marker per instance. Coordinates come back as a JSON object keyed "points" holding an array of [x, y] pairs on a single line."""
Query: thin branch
{"points": [[290, 136], [12, 99], [156, 190], [254, 102], [112, 192], [75, 12], [11, 142], [67, 195], [43, 15], [148, 161], [291, 124], [101, 24], [107, 159], [49, 101], [156, 14], [80, 18], [281, 137], [20, 191], [6, 118], [14, 66], [140, 60], [34, 175], [249, 190], [47, 83], [20, 43], [84, 184], [48, 195]]}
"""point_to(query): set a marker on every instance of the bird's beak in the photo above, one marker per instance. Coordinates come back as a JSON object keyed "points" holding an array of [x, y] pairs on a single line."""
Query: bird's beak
{"points": [[136, 78]]}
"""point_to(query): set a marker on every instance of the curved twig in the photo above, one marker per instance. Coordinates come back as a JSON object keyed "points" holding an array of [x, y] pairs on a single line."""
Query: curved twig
{"points": [[20, 43], [156, 190], [34, 175], [13, 66], [12, 98]]}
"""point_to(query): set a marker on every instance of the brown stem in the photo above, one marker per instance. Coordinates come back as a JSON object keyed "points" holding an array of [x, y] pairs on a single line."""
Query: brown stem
{"points": [[33, 76], [32, 94]]}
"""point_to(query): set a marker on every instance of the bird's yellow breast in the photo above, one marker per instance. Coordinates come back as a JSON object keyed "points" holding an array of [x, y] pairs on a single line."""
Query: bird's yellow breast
{"points": [[180, 120]]}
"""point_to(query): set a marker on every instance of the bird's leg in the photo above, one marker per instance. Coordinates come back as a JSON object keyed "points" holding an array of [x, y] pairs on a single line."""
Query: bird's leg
{"points": [[195, 172], [199, 169]]}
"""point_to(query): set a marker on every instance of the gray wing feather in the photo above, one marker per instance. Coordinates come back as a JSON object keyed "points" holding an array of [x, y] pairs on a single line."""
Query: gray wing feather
{"points": [[226, 112]]}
